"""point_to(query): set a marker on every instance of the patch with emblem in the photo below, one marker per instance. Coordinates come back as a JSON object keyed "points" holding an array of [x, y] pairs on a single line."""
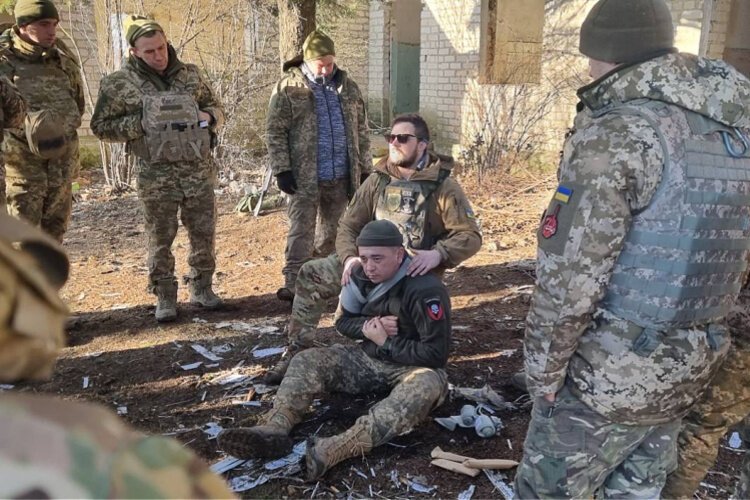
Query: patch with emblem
{"points": [[434, 309], [549, 223], [392, 199], [563, 194]]}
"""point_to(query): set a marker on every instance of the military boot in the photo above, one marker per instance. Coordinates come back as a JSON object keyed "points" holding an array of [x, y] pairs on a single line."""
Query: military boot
{"points": [[286, 292], [202, 293], [300, 338], [324, 453], [166, 296], [518, 380], [269, 439]]}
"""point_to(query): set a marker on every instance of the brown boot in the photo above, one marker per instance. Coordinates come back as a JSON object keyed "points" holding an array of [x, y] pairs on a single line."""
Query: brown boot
{"points": [[202, 293], [300, 338], [269, 439], [324, 453], [166, 296]]}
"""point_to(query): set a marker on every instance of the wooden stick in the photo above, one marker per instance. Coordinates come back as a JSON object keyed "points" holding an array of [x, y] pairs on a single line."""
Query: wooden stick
{"points": [[492, 463], [455, 467], [438, 453]]}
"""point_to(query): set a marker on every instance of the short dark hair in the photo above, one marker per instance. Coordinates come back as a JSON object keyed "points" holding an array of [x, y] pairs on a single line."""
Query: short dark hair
{"points": [[421, 129]]}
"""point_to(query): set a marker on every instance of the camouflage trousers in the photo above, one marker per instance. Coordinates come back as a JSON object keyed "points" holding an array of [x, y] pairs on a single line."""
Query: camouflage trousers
{"points": [[313, 221], [725, 404], [161, 197], [319, 280], [571, 452], [39, 190], [414, 391]]}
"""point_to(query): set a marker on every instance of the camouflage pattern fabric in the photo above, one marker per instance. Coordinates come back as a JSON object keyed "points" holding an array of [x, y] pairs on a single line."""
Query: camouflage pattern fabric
{"points": [[451, 220], [310, 237], [726, 403], [13, 109], [51, 448], [292, 129], [163, 188], [612, 165], [572, 451], [414, 391], [39, 190]]}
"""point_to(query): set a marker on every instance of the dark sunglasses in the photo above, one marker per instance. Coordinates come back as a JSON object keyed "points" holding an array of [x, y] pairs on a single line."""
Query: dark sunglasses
{"points": [[401, 138]]}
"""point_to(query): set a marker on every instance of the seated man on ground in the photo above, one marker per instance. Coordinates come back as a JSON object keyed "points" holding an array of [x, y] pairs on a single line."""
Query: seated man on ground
{"points": [[404, 328], [412, 188]]}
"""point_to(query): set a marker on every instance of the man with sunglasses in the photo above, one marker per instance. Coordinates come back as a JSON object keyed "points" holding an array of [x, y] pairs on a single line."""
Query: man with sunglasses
{"points": [[412, 188], [319, 148]]}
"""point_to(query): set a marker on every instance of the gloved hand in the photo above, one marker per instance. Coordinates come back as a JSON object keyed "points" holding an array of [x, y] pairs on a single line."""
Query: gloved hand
{"points": [[286, 182]]}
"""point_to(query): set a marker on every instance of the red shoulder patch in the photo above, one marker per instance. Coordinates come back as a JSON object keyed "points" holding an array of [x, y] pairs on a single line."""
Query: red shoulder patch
{"points": [[434, 309], [549, 223]]}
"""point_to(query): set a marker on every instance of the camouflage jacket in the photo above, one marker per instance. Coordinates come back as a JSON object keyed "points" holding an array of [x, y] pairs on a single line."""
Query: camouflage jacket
{"points": [[46, 78], [118, 110], [51, 448], [12, 105], [450, 217], [611, 168], [292, 128]]}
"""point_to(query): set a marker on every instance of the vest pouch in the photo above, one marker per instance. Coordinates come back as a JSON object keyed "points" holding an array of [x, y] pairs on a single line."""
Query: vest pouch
{"points": [[717, 336], [647, 342], [196, 143], [170, 121]]}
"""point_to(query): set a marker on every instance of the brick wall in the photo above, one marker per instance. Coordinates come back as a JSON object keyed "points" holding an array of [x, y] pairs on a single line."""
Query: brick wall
{"points": [[350, 33], [717, 31]]}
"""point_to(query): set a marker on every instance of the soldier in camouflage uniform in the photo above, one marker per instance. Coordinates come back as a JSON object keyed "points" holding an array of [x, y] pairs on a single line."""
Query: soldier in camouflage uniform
{"points": [[12, 114], [167, 114], [403, 325], [319, 149], [48, 76], [411, 187], [51, 448], [641, 256]]}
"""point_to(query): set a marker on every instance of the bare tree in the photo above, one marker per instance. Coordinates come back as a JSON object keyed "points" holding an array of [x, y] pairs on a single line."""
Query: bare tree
{"points": [[296, 21]]}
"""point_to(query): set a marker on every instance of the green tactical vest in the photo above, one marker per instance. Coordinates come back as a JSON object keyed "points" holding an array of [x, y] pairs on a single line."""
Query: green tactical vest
{"points": [[685, 256], [406, 204]]}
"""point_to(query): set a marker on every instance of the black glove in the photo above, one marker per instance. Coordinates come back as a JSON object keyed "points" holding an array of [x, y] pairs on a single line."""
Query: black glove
{"points": [[286, 182]]}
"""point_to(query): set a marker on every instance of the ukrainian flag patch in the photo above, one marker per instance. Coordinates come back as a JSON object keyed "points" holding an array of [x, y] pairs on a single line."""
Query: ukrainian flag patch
{"points": [[563, 194]]}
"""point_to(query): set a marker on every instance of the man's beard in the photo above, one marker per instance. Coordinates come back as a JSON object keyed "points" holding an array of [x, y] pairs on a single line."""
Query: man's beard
{"points": [[405, 161]]}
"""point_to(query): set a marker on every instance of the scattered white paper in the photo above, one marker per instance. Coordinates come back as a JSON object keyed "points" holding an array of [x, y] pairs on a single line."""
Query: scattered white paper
{"points": [[231, 378], [227, 464], [199, 320], [94, 354], [221, 349], [239, 402], [297, 454], [122, 410], [85, 382], [6, 387], [191, 366], [212, 365], [394, 479], [244, 483], [212, 429], [460, 327], [735, 441], [268, 352], [419, 487], [498, 481], [205, 352], [467, 493]]}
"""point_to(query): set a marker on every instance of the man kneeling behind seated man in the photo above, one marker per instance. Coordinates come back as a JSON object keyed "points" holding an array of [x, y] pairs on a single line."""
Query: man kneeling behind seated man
{"points": [[403, 324], [412, 188]]}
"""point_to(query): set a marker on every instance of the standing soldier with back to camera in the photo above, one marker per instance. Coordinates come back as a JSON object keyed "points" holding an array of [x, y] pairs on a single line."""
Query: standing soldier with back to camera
{"points": [[41, 159], [167, 114], [319, 149]]}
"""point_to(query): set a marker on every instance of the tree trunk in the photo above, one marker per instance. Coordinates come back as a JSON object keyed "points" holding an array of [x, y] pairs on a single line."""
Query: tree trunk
{"points": [[296, 21]]}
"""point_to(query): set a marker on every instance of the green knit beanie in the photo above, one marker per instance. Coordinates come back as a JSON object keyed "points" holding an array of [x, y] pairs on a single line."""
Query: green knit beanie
{"points": [[380, 233], [317, 45], [627, 31], [28, 11], [137, 26]]}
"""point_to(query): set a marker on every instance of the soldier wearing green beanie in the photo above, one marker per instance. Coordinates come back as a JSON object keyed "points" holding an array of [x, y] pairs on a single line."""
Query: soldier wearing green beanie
{"points": [[153, 92], [42, 161], [402, 325], [319, 148], [635, 276]]}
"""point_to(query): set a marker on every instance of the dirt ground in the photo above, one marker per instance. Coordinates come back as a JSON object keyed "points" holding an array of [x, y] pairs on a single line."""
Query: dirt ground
{"points": [[120, 357]]}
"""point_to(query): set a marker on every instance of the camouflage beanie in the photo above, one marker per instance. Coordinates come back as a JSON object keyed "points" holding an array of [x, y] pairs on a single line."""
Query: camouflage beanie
{"points": [[317, 45], [627, 31], [28, 11], [137, 26], [380, 233]]}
